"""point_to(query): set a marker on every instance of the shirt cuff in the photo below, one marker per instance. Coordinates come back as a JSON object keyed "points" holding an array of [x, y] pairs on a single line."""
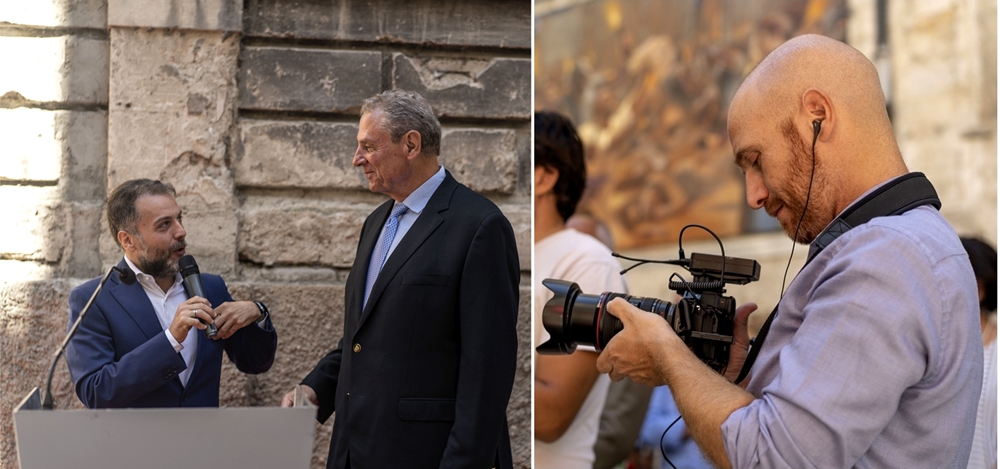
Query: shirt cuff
{"points": [[173, 342]]}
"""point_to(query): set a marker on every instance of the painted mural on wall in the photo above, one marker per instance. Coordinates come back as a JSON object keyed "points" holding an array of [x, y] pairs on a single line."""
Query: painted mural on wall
{"points": [[648, 84]]}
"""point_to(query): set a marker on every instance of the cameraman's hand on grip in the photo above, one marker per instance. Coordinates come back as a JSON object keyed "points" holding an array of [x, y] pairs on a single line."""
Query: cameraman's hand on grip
{"points": [[641, 350], [741, 343]]}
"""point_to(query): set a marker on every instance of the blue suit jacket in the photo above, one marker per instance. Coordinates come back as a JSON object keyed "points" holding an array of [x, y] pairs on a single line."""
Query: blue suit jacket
{"points": [[120, 356]]}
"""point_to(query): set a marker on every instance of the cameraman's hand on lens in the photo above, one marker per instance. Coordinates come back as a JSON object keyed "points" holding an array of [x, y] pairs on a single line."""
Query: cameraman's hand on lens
{"points": [[641, 349], [741, 343]]}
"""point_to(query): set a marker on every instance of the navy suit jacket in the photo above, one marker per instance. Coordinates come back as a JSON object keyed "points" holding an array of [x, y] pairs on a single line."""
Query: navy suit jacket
{"points": [[422, 376], [120, 356]]}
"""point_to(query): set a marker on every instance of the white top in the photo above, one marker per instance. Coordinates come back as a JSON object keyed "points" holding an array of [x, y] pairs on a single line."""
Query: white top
{"points": [[577, 257], [984, 442], [165, 304]]}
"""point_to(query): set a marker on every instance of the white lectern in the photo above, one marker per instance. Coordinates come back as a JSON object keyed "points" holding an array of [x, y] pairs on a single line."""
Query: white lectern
{"points": [[243, 437]]}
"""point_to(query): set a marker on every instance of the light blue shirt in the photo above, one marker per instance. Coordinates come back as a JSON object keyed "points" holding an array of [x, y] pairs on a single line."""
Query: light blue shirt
{"points": [[874, 358], [415, 203]]}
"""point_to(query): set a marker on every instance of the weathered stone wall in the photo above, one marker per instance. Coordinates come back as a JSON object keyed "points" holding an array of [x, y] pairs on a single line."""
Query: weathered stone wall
{"points": [[249, 108], [53, 157], [944, 94]]}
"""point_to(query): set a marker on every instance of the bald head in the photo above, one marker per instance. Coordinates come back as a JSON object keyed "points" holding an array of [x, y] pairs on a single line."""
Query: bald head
{"points": [[814, 78], [778, 82]]}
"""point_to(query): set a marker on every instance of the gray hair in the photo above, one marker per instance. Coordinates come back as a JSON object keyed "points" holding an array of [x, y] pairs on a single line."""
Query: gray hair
{"points": [[403, 111], [122, 213]]}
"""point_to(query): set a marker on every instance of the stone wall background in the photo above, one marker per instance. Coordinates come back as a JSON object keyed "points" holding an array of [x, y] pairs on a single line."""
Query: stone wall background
{"points": [[250, 109]]}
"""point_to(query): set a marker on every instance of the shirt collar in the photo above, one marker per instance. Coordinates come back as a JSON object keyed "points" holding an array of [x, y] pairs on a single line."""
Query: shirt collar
{"points": [[869, 191], [812, 245], [418, 199]]}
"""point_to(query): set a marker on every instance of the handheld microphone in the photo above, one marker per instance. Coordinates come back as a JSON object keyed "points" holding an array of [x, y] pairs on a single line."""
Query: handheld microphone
{"points": [[193, 287], [127, 277]]}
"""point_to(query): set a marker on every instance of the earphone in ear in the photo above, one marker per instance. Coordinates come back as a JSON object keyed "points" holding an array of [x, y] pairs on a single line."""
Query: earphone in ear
{"points": [[816, 124]]}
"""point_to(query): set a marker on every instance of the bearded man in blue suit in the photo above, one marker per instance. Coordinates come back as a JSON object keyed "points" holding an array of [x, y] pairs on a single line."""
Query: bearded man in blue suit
{"points": [[141, 345]]}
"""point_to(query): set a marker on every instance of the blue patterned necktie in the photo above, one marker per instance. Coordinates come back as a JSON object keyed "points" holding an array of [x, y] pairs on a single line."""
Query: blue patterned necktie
{"points": [[382, 247]]}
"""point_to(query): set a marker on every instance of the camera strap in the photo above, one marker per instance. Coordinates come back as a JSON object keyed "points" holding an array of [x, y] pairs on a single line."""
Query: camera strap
{"points": [[903, 194]]}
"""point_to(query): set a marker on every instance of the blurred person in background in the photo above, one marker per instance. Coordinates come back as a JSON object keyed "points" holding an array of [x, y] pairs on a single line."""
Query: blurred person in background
{"points": [[569, 393], [665, 441], [627, 401], [984, 264]]}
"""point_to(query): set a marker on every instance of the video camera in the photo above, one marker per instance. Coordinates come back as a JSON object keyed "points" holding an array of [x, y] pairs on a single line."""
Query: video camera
{"points": [[703, 317]]}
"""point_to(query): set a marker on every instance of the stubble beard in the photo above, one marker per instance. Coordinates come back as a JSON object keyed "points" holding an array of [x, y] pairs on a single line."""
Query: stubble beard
{"points": [[800, 171]]}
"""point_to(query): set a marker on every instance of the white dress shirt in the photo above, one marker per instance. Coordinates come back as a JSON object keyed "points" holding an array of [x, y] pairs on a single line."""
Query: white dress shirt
{"points": [[165, 305]]}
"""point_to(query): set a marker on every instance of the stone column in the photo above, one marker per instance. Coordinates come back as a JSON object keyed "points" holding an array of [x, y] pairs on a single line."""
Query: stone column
{"points": [[172, 104]]}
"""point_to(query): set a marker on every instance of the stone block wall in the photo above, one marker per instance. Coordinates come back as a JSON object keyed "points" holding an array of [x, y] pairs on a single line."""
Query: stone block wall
{"points": [[945, 101], [250, 109], [54, 125]]}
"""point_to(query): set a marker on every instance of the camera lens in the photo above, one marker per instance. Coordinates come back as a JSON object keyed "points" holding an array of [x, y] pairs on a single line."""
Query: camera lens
{"points": [[611, 325], [702, 318], [573, 318]]}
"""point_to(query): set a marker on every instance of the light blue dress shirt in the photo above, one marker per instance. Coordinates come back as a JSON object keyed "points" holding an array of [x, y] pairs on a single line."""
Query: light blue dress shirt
{"points": [[415, 202], [874, 358]]}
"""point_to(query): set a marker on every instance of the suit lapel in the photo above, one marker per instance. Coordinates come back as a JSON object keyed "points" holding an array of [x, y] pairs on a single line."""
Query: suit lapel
{"points": [[134, 301], [422, 228]]}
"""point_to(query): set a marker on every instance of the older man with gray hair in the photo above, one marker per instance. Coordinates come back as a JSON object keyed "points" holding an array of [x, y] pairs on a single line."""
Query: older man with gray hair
{"points": [[424, 370]]}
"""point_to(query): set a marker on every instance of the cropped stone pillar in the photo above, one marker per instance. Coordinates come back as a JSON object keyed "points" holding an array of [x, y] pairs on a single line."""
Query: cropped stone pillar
{"points": [[53, 148], [172, 104], [945, 103]]}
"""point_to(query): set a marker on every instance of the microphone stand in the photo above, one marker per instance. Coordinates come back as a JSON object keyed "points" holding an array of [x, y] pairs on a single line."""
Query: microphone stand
{"points": [[47, 400]]}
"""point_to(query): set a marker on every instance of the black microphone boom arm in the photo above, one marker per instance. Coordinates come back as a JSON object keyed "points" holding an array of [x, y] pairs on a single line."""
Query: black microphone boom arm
{"points": [[128, 278]]}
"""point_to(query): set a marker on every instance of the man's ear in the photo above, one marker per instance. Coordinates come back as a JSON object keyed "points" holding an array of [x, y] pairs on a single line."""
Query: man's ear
{"points": [[412, 143], [127, 240], [545, 179], [817, 106]]}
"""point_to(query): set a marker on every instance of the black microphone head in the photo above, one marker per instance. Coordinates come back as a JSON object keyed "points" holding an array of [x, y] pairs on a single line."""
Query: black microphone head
{"points": [[187, 265], [126, 275]]}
